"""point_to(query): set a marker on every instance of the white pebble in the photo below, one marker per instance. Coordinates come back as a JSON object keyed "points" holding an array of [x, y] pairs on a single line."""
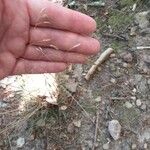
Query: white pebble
{"points": [[133, 146], [134, 7], [112, 80], [112, 55], [106, 146], [77, 123], [133, 97], [125, 65], [138, 102], [98, 99], [134, 90], [20, 142], [145, 145], [128, 104], [143, 107], [63, 107], [114, 129], [3, 105]]}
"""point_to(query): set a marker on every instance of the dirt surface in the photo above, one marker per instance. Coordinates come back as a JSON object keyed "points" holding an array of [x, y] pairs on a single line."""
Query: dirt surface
{"points": [[118, 90]]}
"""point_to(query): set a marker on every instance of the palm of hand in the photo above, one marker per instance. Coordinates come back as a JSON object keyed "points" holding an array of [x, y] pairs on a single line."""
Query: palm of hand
{"points": [[14, 31], [20, 41]]}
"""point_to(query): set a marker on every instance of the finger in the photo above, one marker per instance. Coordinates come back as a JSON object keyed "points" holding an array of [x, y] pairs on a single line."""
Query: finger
{"points": [[63, 40], [35, 67], [49, 54], [45, 14]]}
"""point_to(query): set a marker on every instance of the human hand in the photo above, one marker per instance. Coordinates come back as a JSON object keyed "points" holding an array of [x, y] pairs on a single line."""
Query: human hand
{"points": [[37, 36]]}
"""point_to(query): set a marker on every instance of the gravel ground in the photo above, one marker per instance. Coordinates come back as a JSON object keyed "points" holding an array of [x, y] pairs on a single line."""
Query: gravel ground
{"points": [[111, 110]]}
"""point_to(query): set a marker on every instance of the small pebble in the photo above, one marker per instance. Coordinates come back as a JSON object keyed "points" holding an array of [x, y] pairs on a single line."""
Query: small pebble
{"points": [[134, 7], [133, 97], [125, 65], [128, 104], [138, 102], [99, 68], [71, 128], [134, 90], [98, 99], [114, 129], [77, 123], [106, 146], [112, 55], [63, 107], [66, 77], [20, 142], [2, 104], [71, 85], [133, 146], [127, 57], [112, 80], [143, 107], [145, 145], [133, 31]]}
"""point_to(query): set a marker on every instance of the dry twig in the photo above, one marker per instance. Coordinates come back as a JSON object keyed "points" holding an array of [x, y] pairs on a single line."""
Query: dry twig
{"points": [[99, 61], [143, 47], [96, 129]]}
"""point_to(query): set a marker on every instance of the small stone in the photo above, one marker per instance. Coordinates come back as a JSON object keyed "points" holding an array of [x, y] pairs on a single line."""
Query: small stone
{"points": [[106, 146], [20, 142], [128, 104], [41, 123], [143, 107], [32, 137], [98, 99], [112, 55], [77, 123], [125, 65], [66, 77], [89, 144], [126, 56], [63, 107], [142, 19], [133, 97], [134, 7], [138, 102], [71, 85], [133, 31], [2, 104], [99, 68], [114, 129], [77, 72], [133, 146], [71, 128], [145, 145], [112, 80], [134, 90]]}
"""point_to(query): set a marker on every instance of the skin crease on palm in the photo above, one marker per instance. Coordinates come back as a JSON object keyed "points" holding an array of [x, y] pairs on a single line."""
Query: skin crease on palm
{"points": [[37, 36]]}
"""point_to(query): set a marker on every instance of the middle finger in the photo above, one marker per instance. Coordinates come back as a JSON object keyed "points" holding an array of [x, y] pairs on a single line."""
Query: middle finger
{"points": [[64, 40]]}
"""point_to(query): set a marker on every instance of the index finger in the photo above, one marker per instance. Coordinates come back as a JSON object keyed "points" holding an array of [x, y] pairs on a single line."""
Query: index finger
{"points": [[45, 14]]}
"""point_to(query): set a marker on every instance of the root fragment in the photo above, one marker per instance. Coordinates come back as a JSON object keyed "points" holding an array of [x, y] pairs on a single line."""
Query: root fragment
{"points": [[143, 47], [99, 61]]}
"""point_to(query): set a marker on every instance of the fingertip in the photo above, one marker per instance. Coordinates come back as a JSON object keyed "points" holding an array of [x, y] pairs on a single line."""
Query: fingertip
{"points": [[90, 25], [62, 67], [93, 25], [95, 47]]}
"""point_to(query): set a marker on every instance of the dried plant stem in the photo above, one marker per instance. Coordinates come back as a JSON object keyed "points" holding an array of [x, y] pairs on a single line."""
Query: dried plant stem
{"points": [[96, 129], [20, 121], [99, 61], [143, 47]]}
